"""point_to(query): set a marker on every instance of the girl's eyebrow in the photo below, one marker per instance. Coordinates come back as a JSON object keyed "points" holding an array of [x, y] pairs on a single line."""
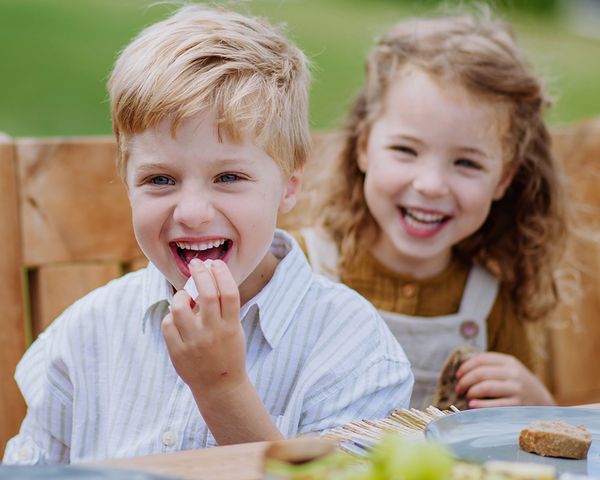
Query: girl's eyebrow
{"points": [[473, 150], [405, 137]]}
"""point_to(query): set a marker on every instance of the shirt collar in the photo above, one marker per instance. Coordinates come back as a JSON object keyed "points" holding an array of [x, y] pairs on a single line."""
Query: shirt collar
{"points": [[156, 290], [276, 303]]}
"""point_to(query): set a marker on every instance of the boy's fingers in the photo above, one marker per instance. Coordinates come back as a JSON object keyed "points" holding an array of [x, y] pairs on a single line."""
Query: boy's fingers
{"points": [[208, 293], [229, 291], [170, 333], [183, 319]]}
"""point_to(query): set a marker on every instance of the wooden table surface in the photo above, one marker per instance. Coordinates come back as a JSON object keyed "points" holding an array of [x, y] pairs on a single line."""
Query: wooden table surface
{"points": [[233, 462]]}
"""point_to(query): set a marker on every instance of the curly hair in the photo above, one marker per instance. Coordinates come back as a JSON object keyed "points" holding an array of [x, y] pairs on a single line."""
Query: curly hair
{"points": [[523, 237]]}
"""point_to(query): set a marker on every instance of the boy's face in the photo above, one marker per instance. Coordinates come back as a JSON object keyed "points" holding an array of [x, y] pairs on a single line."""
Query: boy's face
{"points": [[193, 196]]}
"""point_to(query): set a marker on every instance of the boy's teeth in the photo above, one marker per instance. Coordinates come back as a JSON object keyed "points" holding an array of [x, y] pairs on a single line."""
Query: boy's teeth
{"points": [[200, 246]]}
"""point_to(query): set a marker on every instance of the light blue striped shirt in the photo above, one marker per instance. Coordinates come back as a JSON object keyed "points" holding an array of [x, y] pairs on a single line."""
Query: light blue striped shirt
{"points": [[99, 382]]}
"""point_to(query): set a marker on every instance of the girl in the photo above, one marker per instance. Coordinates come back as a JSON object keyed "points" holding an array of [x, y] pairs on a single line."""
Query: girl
{"points": [[446, 211]]}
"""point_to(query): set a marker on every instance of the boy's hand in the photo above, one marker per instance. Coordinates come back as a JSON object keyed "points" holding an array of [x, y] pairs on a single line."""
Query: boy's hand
{"points": [[207, 345], [493, 379]]}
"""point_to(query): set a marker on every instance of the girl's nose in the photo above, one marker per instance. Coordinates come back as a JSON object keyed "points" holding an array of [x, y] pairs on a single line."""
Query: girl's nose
{"points": [[431, 181], [193, 209]]}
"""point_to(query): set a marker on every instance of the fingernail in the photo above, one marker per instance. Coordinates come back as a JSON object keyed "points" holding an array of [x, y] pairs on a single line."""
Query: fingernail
{"points": [[195, 262], [208, 263]]}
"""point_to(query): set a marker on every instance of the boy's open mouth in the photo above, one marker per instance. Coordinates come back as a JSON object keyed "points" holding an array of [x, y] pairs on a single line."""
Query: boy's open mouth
{"points": [[212, 250]]}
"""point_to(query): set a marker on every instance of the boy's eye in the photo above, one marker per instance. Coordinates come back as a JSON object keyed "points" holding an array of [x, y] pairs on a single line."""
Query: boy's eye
{"points": [[227, 178], [162, 180], [467, 163], [404, 149]]}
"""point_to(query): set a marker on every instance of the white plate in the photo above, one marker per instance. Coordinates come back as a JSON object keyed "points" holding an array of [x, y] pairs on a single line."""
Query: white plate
{"points": [[493, 434]]}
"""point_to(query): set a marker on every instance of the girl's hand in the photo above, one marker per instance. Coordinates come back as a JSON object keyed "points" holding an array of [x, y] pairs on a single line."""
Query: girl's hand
{"points": [[493, 379], [207, 345]]}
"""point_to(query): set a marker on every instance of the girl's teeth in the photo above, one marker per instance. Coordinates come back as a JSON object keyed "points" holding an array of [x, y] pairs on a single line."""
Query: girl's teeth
{"points": [[421, 225], [431, 218]]}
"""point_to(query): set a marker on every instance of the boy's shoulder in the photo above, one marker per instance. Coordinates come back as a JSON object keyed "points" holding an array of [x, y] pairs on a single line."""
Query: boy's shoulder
{"points": [[127, 293]]}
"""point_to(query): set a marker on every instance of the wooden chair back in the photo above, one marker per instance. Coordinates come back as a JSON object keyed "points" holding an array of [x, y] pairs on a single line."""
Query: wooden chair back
{"points": [[66, 229]]}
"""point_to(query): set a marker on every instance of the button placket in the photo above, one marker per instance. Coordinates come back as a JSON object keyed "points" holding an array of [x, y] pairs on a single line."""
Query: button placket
{"points": [[168, 438]]}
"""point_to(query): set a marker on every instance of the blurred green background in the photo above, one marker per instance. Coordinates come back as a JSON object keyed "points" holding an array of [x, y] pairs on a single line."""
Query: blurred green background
{"points": [[57, 54]]}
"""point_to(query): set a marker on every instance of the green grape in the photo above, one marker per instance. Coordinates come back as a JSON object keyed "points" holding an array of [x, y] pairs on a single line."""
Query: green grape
{"points": [[394, 458]]}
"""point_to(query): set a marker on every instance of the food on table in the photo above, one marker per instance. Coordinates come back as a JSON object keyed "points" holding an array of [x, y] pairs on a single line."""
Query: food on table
{"points": [[393, 458], [304, 458], [520, 470], [555, 438], [445, 393]]}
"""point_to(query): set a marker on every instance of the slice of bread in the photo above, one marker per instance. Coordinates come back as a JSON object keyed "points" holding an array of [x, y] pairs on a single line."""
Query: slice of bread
{"points": [[555, 438], [445, 393]]}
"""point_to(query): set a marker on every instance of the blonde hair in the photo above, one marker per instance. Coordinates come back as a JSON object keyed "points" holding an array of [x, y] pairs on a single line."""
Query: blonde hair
{"points": [[203, 60], [524, 234]]}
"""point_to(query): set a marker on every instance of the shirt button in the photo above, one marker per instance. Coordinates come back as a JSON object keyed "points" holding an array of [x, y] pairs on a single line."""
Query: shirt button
{"points": [[25, 454], [409, 290], [168, 439], [469, 329]]}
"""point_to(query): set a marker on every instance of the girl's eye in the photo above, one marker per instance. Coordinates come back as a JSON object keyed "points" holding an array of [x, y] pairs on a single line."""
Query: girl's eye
{"points": [[162, 180], [465, 162], [228, 178], [404, 149]]}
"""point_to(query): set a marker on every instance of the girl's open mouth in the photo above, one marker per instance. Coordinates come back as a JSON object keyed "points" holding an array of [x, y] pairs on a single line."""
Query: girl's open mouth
{"points": [[185, 252], [421, 223]]}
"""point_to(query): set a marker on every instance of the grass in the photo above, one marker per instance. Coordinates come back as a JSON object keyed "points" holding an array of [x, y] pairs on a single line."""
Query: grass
{"points": [[57, 56]]}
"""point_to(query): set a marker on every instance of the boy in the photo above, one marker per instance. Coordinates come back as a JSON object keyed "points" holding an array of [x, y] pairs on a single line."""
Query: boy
{"points": [[210, 113]]}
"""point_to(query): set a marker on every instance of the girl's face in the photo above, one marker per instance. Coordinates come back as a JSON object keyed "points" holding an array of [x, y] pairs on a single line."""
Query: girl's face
{"points": [[434, 163]]}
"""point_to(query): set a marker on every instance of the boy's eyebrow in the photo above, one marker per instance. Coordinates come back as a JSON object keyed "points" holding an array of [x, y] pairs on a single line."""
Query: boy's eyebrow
{"points": [[151, 166], [226, 161]]}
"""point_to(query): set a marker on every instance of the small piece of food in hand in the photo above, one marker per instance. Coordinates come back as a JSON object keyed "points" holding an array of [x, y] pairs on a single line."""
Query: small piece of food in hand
{"points": [[445, 391], [556, 438]]}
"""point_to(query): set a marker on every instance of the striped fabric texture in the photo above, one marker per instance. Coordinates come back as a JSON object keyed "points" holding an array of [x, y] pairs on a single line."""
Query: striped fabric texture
{"points": [[99, 382]]}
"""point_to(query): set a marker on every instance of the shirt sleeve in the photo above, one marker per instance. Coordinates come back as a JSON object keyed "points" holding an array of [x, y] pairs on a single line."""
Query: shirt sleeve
{"points": [[43, 380], [368, 382], [370, 394]]}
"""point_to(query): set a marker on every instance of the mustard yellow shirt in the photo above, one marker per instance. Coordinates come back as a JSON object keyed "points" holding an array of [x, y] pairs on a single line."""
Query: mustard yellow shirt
{"points": [[434, 296]]}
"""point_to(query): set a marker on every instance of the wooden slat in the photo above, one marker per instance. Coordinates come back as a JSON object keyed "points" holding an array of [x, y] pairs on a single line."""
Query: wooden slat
{"points": [[73, 205], [136, 264], [12, 327], [54, 288], [575, 338]]}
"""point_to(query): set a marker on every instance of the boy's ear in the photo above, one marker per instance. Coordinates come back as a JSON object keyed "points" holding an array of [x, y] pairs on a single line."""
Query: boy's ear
{"points": [[291, 191], [505, 181]]}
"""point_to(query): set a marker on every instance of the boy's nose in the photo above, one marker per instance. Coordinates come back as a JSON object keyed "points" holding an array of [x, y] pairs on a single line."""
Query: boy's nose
{"points": [[193, 209], [431, 181]]}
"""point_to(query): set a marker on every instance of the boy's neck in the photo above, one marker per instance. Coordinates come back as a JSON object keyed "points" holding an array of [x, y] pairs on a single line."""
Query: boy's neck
{"points": [[257, 280]]}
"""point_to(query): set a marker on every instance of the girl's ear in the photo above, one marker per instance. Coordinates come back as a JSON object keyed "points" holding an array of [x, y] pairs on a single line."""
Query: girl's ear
{"points": [[291, 191], [361, 152], [505, 182]]}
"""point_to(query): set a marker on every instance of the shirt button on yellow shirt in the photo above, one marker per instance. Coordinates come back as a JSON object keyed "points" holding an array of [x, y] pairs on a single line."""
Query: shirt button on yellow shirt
{"points": [[409, 290]]}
